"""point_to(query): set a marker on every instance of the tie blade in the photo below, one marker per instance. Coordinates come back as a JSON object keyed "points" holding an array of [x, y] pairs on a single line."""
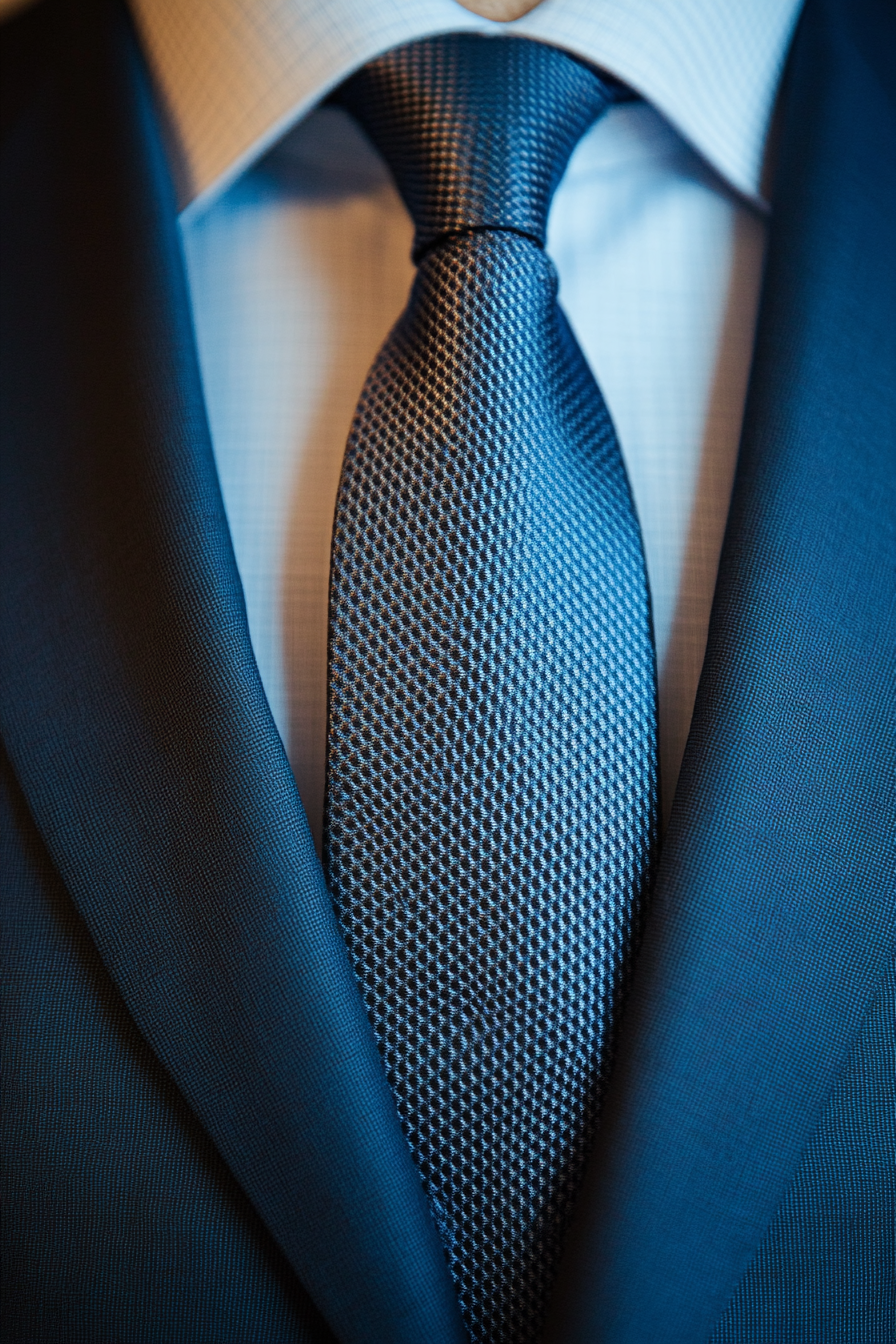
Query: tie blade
{"points": [[492, 754]]}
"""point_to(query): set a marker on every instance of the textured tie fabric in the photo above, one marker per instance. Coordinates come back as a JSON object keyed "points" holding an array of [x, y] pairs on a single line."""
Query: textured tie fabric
{"points": [[491, 765]]}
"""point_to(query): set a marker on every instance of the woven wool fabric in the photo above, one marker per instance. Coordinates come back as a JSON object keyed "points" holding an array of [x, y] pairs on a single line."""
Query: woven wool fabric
{"points": [[491, 796]]}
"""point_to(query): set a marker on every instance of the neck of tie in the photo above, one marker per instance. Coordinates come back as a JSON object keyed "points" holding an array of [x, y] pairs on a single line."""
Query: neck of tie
{"points": [[491, 779]]}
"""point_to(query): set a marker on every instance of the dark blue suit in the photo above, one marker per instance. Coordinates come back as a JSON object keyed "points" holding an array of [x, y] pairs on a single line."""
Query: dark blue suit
{"points": [[200, 1143]]}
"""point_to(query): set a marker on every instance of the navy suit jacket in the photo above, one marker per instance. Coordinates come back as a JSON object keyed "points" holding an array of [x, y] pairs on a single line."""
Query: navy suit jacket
{"points": [[201, 1146]]}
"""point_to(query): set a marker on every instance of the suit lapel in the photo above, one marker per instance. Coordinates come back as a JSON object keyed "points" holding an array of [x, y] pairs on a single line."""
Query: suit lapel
{"points": [[773, 916], [133, 712]]}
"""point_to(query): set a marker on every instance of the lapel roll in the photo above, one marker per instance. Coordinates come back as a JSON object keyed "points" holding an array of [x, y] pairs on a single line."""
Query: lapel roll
{"points": [[133, 713], [773, 917]]}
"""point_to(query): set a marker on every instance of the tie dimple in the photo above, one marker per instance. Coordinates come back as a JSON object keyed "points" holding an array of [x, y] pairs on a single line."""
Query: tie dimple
{"points": [[491, 769], [477, 131]]}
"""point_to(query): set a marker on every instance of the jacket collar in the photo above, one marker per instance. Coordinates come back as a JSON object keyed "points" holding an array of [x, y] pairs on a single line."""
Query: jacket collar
{"points": [[133, 713], [773, 918]]}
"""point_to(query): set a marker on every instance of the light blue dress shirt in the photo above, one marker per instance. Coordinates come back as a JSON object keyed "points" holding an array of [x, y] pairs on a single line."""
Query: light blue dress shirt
{"points": [[297, 249]]}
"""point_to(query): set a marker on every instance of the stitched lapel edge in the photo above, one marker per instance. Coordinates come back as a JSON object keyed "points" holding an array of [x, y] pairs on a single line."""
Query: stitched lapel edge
{"points": [[133, 711], [773, 917]]}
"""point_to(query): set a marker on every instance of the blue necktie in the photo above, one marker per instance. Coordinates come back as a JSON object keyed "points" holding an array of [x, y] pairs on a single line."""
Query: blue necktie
{"points": [[491, 774]]}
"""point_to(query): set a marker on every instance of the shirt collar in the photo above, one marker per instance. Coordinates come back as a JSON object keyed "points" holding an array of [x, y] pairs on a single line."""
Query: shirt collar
{"points": [[234, 75]]}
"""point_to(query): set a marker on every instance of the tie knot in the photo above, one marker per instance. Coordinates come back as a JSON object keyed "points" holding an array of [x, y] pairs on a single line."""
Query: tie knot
{"points": [[476, 130]]}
